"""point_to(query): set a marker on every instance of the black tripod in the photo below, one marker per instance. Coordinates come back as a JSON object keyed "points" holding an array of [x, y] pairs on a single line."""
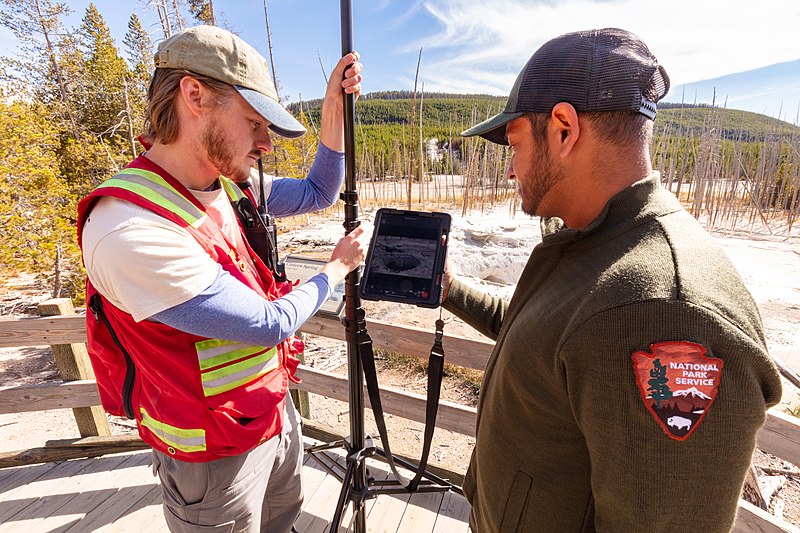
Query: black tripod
{"points": [[357, 485]]}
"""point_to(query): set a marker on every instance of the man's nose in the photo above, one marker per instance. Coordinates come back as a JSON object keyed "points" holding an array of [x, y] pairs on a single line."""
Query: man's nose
{"points": [[264, 143], [510, 170]]}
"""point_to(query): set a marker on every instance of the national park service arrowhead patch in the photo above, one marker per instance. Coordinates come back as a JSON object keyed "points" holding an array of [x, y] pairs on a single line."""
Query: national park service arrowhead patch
{"points": [[678, 384]]}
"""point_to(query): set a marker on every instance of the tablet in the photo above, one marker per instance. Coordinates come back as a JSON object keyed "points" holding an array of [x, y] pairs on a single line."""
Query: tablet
{"points": [[406, 258]]}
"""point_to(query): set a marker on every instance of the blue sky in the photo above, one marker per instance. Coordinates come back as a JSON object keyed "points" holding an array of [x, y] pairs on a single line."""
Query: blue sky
{"points": [[480, 45]]}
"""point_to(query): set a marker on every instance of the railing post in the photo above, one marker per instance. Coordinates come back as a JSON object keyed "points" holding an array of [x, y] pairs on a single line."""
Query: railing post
{"points": [[73, 364]]}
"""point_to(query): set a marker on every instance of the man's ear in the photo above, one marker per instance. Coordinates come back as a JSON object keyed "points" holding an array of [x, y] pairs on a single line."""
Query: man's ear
{"points": [[192, 93], [565, 129]]}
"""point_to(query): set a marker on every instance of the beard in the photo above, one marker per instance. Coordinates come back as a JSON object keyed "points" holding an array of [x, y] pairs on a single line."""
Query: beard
{"points": [[221, 152], [541, 176]]}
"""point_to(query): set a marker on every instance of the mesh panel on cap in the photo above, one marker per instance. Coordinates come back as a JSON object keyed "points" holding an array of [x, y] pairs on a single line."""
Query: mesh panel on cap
{"points": [[556, 73], [595, 71], [623, 68]]}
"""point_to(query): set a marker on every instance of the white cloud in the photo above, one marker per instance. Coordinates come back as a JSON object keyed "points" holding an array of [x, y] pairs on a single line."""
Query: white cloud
{"points": [[482, 45], [409, 12]]}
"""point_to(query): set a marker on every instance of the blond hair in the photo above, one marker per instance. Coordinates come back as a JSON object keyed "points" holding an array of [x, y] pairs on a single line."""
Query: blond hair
{"points": [[161, 123]]}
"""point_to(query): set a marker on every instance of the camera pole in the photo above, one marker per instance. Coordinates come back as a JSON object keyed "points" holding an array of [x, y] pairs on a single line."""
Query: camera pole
{"points": [[357, 485], [358, 477]]}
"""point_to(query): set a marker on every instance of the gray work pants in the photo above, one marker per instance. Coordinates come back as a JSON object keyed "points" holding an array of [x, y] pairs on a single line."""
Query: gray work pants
{"points": [[258, 491]]}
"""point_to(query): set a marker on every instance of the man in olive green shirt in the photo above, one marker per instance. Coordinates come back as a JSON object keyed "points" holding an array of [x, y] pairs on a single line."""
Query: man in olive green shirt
{"points": [[630, 373]]}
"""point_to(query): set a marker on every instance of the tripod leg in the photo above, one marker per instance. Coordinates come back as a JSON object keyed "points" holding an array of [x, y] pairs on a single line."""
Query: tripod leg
{"points": [[336, 521], [360, 525], [354, 465]]}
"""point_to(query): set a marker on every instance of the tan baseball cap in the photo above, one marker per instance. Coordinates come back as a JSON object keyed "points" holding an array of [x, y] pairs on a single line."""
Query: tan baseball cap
{"points": [[219, 54]]}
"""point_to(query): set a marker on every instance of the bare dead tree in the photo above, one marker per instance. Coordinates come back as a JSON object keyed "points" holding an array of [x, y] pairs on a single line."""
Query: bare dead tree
{"points": [[129, 117], [422, 152], [321, 66], [271, 55], [163, 16], [413, 141], [45, 26], [179, 20]]}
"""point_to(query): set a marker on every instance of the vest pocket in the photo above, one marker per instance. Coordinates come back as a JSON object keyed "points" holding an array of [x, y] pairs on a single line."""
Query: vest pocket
{"points": [[516, 503]]}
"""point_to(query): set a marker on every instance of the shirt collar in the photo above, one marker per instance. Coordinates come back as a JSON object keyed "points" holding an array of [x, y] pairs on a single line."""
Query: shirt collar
{"points": [[630, 207]]}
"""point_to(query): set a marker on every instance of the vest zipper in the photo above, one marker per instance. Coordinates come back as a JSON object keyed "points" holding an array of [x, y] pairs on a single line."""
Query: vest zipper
{"points": [[96, 306]]}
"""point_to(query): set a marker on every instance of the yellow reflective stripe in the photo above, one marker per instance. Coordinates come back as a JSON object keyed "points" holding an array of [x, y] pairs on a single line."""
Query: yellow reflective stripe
{"points": [[232, 376], [153, 187], [234, 191], [226, 354], [212, 343], [186, 440]]}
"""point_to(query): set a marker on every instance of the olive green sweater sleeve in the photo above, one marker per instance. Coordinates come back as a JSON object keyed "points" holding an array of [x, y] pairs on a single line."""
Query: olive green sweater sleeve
{"points": [[483, 312], [639, 475]]}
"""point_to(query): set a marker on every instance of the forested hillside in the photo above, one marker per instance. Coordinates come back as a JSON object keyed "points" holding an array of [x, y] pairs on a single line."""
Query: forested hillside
{"points": [[384, 129], [72, 104], [441, 110]]}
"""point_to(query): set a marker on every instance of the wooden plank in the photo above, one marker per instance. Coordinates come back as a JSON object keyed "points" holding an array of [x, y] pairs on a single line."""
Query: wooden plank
{"points": [[123, 503], [19, 332], [453, 514], [452, 416], [378, 472], [89, 487], [119, 494], [780, 436], [408, 340], [44, 396], [11, 478], [421, 511], [318, 510], [387, 512], [469, 353], [316, 519], [313, 474], [337, 454], [752, 519], [73, 449], [133, 479], [72, 361], [18, 499], [145, 515]]}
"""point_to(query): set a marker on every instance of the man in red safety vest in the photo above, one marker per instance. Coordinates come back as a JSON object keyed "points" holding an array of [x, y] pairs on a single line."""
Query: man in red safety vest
{"points": [[190, 333]]}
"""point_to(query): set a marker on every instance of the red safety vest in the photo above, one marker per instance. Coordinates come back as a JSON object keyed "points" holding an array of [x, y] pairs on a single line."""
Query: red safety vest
{"points": [[195, 398]]}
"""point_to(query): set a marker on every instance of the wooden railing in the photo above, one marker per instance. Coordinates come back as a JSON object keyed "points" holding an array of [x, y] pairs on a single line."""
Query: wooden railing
{"points": [[65, 332]]}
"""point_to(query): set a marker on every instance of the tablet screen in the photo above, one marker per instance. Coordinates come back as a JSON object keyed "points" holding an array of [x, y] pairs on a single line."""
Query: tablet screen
{"points": [[406, 257]]}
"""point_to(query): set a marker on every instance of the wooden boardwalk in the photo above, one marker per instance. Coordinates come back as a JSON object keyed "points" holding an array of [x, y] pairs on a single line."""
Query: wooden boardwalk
{"points": [[118, 493]]}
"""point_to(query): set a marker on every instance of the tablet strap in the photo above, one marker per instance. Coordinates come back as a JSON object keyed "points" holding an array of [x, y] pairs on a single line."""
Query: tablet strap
{"points": [[435, 374]]}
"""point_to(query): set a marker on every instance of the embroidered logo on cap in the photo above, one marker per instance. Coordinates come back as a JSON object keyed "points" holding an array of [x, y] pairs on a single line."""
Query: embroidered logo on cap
{"points": [[678, 384]]}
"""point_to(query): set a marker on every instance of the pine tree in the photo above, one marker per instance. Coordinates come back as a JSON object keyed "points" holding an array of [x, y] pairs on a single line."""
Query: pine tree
{"points": [[139, 47], [105, 73], [658, 383]]}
